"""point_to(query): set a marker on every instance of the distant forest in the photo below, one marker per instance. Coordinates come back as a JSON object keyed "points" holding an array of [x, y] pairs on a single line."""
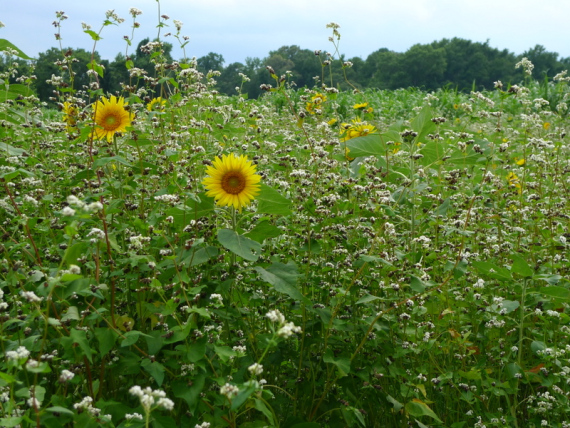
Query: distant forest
{"points": [[456, 63]]}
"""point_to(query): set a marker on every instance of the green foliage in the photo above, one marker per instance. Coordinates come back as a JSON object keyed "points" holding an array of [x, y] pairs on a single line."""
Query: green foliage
{"points": [[405, 260]]}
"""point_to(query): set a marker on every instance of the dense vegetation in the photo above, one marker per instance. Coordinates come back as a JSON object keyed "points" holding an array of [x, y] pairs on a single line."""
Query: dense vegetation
{"points": [[375, 258], [454, 63]]}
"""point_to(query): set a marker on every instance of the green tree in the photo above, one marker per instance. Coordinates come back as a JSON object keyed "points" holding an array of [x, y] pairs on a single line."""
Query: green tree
{"points": [[212, 61], [71, 65]]}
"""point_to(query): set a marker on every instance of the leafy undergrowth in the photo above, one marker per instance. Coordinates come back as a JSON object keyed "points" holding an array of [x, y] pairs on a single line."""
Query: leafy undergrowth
{"points": [[404, 262]]}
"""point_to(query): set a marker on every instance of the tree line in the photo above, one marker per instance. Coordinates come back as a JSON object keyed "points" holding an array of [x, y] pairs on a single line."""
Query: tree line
{"points": [[454, 63]]}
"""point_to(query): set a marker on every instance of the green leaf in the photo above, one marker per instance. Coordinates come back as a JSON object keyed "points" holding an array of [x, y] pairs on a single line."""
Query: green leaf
{"points": [[262, 231], [471, 374], [202, 255], [80, 337], [493, 271], [555, 292], [423, 124], [59, 409], [189, 392], [155, 369], [367, 298], [283, 277], [106, 338], [270, 201], [342, 363], [442, 209], [11, 422], [224, 353], [418, 408], [242, 395], [93, 34], [397, 405], [12, 151], [510, 305], [536, 346], [131, 338], [239, 245], [197, 350], [520, 266], [369, 145], [6, 44], [104, 161], [417, 284]]}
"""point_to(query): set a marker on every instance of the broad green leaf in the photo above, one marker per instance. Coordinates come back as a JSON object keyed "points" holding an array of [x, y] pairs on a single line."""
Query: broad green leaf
{"points": [[442, 209], [224, 353], [189, 392], [131, 338], [242, 396], [471, 374], [556, 292], [262, 231], [418, 408], [397, 405], [342, 363], [510, 305], [270, 201], [197, 350], [369, 145], [202, 255], [536, 346], [283, 277], [367, 298], [155, 369], [423, 124], [6, 44], [59, 409], [93, 34], [417, 284], [12, 151], [520, 266], [493, 271], [80, 337], [260, 405], [239, 245], [106, 338]]}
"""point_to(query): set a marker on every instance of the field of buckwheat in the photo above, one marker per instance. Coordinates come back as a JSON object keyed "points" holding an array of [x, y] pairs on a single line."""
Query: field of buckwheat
{"points": [[174, 257]]}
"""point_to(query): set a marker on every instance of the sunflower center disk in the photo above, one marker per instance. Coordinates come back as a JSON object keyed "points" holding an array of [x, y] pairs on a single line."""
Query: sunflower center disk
{"points": [[233, 182], [110, 122]]}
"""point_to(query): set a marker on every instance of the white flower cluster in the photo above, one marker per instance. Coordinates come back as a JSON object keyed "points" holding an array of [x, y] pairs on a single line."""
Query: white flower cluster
{"points": [[150, 398], [30, 296], [65, 376], [19, 354], [74, 201], [229, 390], [286, 329]]}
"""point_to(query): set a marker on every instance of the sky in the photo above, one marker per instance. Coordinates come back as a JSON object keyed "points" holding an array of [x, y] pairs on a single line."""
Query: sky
{"points": [[238, 29]]}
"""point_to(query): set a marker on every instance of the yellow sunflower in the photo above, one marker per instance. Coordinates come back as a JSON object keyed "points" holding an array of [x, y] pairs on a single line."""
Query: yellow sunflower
{"points": [[70, 116], [156, 104], [357, 129], [315, 105], [111, 117], [360, 106], [232, 181]]}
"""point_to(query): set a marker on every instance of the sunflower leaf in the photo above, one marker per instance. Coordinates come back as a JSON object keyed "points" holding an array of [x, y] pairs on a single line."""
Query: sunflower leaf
{"points": [[239, 245], [271, 201]]}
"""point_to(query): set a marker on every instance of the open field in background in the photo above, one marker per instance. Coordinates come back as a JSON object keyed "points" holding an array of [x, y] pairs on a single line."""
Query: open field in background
{"points": [[403, 260]]}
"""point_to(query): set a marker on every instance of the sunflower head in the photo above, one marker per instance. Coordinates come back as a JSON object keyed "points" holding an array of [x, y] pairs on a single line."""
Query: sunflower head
{"points": [[357, 129], [156, 104], [232, 181], [110, 117], [70, 116]]}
